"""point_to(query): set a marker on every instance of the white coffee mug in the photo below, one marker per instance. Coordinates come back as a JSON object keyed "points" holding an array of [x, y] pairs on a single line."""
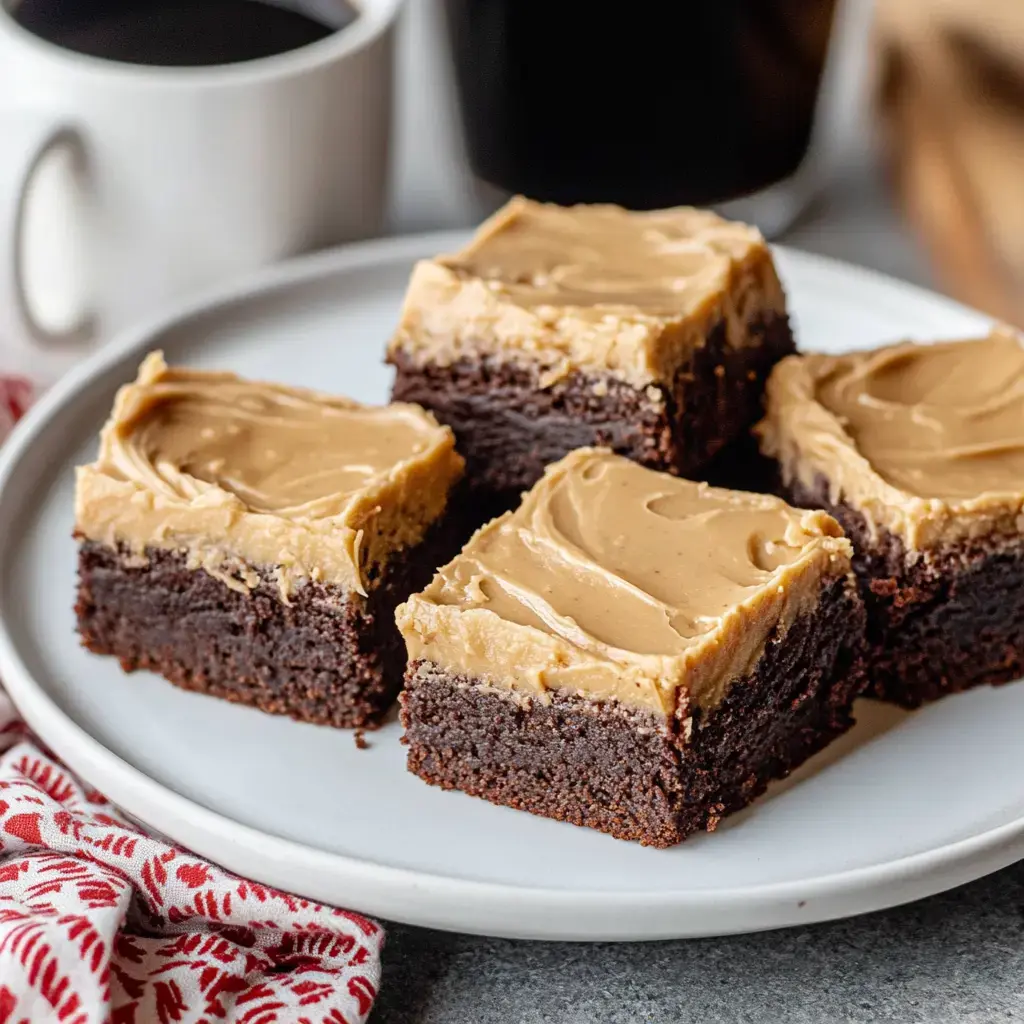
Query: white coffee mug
{"points": [[124, 186]]}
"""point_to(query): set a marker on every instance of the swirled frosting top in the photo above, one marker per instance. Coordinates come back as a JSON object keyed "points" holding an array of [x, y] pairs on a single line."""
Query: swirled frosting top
{"points": [[927, 439], [302, 484], [593, 288], [617, 581]]}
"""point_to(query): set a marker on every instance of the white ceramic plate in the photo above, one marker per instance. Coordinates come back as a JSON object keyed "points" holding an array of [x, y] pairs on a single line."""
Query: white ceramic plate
{"points": [[905, 806]]}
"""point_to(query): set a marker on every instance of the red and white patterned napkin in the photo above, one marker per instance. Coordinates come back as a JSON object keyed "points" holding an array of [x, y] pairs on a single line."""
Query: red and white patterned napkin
{"points": [[100, 922], [15, 398]]}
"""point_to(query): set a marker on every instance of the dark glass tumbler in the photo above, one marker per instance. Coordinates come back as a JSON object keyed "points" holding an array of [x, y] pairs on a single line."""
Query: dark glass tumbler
{"points": [[645, 104]]}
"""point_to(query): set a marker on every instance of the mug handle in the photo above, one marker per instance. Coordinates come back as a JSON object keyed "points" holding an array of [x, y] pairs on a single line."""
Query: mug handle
{"points": [[27, 143]]}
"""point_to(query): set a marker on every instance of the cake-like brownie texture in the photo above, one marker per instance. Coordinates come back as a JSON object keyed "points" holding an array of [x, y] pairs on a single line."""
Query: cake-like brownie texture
{"points": [[632, 652], [918, 451], [252, 541], [556, 328]]}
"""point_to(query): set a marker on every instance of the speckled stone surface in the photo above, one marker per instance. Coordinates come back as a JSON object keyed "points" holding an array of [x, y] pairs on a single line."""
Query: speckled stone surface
{"points": [[957, 958]]}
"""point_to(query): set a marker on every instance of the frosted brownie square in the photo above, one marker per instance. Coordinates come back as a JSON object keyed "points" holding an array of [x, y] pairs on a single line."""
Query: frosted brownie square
{"points": [[251, 541], [632, 652], [918, 450], [560, 327]]}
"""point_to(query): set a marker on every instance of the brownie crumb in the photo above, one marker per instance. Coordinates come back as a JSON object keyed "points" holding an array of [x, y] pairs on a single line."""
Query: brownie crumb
{"points": [[360, 737]]}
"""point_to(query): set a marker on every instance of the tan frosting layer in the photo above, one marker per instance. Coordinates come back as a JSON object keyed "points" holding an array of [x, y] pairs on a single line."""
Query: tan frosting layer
{"points": [[590, 288], [242, 475], [612, 580], [926, 440]]}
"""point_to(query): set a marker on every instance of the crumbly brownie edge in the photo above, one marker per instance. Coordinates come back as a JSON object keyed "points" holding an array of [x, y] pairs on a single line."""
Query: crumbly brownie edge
{"points": [[509, 428], [625, 771], [330, 657], [940, 622]]}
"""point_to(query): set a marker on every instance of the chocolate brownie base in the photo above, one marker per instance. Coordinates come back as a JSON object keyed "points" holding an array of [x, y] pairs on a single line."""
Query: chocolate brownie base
{"points": [[509, 428], [942, 622], [330, 657], [622, 770], [740, 466]]}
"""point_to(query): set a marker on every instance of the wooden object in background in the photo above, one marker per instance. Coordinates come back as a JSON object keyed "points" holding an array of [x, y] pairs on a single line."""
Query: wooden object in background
{"points": [[951, 98]]}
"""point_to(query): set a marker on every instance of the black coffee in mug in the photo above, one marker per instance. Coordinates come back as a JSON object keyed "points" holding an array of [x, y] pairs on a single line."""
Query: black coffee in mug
{"points": [[183, 33], [647, 104]]}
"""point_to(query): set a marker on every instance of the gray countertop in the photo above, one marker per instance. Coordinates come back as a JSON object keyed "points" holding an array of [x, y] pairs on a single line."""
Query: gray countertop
{"points": [[958, 957]]}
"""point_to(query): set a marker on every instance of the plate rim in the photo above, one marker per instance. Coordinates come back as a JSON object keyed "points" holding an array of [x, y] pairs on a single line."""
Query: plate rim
{"points": [[421, 897]]}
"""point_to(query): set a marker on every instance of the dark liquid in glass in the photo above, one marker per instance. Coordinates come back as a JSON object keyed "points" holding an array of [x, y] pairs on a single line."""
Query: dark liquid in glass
{"points": [[644, 104], [183, 33]]}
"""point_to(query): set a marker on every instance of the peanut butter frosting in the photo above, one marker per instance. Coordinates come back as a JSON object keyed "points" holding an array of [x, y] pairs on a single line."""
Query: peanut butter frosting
{"points": [[251, 479], [590, 288], [927, 441], [615, 581]]}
